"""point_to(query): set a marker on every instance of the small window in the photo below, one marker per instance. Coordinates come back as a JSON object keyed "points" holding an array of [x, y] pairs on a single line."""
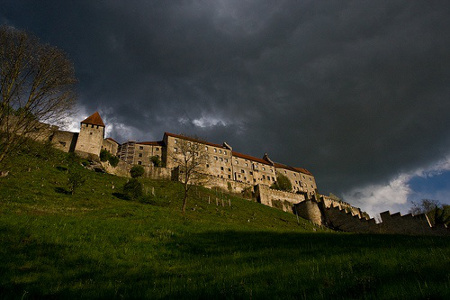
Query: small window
{"points": [[285, 172], [264, 177], [157, 149], [220, 151], [215, 157], [141, 148], [246, 164], [237, 162], [221, 168], [140, 154], [226, 159], [207, 165], [229, 170], [90, 133], [206, 148], [175, 141], [139, 162], [242, 171], [221, 159], [215, 150], [251, 173], [295, 175], [175, 150], [224, 152], [264, 169], [229, 176]]}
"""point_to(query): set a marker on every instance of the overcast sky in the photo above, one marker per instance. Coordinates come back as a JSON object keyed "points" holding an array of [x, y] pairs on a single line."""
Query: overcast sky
{"points": [[357, 92]]}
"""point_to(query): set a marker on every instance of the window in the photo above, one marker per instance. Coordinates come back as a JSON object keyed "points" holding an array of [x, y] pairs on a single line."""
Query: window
{"points": [[207, 165], [295, 175], [175, 149], [206, 148], [220, 151], [215, 157], [139, 162], [246, 164], [237, 162], [229, 170], [251, 173], [226, 159], [157, 149], [264, 169], [175, 141], [242, 171], [221, 168], [285, 172], [221, 159], [229, 176], [264, 177], [215, 150], [224, 152], [140, 154], [141, 148]]}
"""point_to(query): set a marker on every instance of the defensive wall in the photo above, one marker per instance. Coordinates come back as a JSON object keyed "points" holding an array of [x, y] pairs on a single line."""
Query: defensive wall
{"points": [[339, 218]]}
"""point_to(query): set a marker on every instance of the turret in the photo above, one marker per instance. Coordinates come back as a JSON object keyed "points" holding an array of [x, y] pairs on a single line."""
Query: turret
{"points": [[90, 139]]}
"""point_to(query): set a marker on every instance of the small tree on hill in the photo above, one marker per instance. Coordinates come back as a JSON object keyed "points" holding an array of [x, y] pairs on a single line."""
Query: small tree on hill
{"points": [[36, 85], [137, 171], [283, 183], [192, 159], [75, 180]]}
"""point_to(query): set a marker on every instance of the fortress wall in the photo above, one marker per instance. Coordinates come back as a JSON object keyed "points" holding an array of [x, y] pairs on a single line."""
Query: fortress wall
{"points": [[111, 146], [64, 140], [310, 210], [339, 219], [279, 199], [328, 202], [123, 170], [407, 224]]}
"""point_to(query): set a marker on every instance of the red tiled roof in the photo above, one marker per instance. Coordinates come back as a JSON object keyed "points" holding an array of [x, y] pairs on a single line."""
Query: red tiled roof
{"points": [[301, 170], [111, 139], [153, 143], [94, 119], [245, 156], [193, 139], [304, 171]]}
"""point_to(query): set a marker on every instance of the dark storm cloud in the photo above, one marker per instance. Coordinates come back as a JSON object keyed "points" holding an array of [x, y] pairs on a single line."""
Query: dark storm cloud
{"points": [[357, 92]]}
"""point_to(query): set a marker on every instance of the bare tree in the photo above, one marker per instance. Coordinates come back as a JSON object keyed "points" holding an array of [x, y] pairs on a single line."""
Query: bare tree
{"points": [[437, 213], [36, 86], [192, 158]]}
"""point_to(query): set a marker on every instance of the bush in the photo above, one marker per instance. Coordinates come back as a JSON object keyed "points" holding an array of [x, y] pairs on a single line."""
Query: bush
{"points": [[156, 161], [283, 183], [104, 155], [75, 180], [137, 171], [113, 161], [133, 189]]}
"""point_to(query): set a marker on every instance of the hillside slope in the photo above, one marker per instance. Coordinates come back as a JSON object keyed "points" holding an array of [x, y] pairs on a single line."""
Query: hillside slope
{"points": [[95, 244]]}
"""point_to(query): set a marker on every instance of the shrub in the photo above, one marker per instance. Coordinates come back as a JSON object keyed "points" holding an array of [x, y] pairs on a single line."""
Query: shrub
{"points": [[104, 155], [156, 161], [113, 161], [133, 189], [283, 183], [137, 171], [75, 180]]}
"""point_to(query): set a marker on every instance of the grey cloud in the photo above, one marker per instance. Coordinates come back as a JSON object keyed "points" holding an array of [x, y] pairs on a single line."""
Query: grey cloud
{"points": [[354, 91]]}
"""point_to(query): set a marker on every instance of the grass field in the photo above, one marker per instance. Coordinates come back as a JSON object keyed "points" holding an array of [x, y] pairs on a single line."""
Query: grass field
{"points": [[95, 244]]}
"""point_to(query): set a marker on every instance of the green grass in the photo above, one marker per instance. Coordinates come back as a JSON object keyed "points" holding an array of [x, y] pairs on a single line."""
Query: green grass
{"points": [[93, 244]]}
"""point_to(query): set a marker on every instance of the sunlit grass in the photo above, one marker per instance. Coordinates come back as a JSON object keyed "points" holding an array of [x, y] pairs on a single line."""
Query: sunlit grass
{"points": [[94, 244]]}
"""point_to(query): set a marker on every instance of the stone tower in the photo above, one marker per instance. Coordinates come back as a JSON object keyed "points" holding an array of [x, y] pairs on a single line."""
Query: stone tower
{"points": [[90, 138]]}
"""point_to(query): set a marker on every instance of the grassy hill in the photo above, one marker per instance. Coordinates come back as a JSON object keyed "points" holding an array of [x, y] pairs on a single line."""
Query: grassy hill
{"points": [[95, 244]]}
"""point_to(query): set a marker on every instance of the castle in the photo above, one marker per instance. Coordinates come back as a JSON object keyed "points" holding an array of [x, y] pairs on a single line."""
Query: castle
{"points": [[235, 172]]}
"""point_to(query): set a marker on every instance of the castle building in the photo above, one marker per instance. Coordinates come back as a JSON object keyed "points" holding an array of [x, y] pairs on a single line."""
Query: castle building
{"points": [[222, 161]]}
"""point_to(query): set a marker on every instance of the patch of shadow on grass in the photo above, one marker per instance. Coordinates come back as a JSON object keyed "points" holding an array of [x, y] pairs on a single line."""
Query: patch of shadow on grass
{"points": [[61, 168], [61, 190], [120, 196]]}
